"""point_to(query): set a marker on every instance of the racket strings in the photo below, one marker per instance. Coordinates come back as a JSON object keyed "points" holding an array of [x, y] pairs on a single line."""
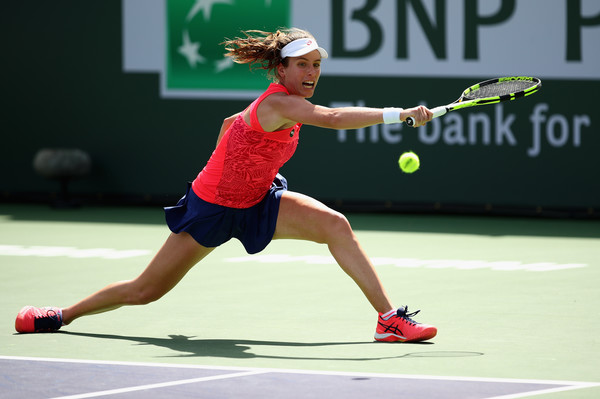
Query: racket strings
{"points": [[499, 89]]}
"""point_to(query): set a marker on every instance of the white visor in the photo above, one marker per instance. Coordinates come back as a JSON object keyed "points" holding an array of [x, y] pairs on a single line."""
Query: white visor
{"points": [[302, 46]]}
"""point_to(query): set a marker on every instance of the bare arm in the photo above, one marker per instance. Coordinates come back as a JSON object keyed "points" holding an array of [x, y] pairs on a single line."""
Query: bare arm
{"points": [[297, 109], [226, 124]]}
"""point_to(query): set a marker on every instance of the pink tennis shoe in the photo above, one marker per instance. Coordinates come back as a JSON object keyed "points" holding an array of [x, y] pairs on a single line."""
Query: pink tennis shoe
{"points": [[33, 320], [399, 327]]}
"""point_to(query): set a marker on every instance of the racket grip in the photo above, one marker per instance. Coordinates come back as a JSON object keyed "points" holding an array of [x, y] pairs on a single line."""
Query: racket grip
{"points": [[437, 111]]}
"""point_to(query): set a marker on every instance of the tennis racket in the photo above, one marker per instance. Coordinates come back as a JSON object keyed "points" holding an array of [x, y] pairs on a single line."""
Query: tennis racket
{"points": [[489, 92]]}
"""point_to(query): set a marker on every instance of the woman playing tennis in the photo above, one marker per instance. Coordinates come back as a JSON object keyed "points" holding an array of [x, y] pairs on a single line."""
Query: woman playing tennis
{"points": [[240, 194]]}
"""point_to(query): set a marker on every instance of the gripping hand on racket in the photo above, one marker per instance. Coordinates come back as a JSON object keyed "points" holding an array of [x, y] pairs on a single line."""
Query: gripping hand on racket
{"points": [[421, 115]]}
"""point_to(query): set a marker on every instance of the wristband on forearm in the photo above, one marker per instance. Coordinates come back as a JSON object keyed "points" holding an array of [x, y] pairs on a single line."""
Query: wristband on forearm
{"points": [[391, 115]]}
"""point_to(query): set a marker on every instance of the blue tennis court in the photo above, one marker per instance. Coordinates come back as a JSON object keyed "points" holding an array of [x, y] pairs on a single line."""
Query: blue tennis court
{"points": [[68, 379]]}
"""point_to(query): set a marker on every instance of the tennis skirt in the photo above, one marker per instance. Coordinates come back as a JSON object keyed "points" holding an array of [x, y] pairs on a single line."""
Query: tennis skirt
{"points": [[212, 225]]}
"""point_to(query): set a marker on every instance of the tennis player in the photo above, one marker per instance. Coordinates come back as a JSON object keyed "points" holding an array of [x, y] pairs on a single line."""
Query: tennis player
{"points": [[240, 194]]}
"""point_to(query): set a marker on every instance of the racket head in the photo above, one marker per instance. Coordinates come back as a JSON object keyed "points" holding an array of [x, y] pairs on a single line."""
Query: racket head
{"points": [[490, 92], [501, 89]]}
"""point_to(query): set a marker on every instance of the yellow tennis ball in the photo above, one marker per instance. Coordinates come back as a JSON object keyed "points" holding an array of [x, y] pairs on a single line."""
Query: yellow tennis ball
{"points": [[409, 162]]}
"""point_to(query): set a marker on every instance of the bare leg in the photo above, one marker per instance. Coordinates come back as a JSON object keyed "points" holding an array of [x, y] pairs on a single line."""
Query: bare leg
{"points": [[177, 256], [302, 217]]}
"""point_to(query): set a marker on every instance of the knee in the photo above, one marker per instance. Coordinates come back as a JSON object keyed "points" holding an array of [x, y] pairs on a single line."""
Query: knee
{"points": [[336, 226], [143, 294]]}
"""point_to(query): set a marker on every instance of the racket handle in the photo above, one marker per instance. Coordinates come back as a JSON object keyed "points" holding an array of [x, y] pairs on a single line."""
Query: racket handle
{"points": [[437, 111]]}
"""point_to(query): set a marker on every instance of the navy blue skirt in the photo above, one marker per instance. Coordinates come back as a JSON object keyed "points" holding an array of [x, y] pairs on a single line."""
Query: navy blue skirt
{"points": [[212, 225]]}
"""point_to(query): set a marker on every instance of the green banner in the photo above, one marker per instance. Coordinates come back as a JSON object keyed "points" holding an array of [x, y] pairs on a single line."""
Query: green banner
{"points": [[195, 30]]}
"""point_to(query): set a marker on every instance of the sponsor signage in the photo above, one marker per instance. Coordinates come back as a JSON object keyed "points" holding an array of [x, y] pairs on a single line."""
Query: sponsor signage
{"points": [[551, 39]]}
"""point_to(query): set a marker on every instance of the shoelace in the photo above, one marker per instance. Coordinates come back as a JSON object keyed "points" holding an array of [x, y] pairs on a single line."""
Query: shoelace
{"points": [[48, 320], [407, 316]]}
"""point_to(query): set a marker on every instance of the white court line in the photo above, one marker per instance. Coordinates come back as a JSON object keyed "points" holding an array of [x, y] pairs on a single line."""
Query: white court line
{"points": [[159, 385], [459, 264], [70, 252], [540, 392], [242, 371]]}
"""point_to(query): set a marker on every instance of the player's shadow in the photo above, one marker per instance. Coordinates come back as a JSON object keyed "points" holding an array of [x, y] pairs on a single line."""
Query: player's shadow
{"points": [[247, 349]]}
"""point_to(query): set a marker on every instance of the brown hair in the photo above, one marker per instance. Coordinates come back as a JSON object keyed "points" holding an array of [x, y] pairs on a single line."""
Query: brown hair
{"points": [[261, 49]]}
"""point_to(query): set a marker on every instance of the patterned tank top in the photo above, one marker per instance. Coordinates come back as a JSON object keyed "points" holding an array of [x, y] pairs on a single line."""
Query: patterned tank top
{"points": [[241, 169]]}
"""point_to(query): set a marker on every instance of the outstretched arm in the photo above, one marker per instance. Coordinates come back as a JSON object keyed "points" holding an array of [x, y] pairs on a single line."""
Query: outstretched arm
{"points": [[298, 109]]}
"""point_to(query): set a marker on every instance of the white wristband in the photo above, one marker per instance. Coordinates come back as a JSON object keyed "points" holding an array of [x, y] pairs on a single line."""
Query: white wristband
{"points": [[391, 115]]}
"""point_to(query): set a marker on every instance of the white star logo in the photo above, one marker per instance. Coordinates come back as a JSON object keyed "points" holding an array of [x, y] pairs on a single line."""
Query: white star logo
{"points": [[224, 64], [190, 51], [206, 7]]}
